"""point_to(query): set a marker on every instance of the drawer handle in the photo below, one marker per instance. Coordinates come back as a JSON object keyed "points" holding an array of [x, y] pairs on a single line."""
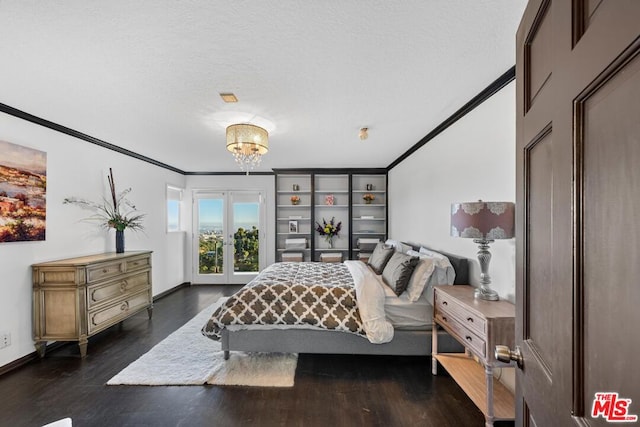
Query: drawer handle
{"points": [[470, 319], [104, 270], [444, 303], [444, 319], [123, 286], [468, 338], [135, 263], [124, 306]]}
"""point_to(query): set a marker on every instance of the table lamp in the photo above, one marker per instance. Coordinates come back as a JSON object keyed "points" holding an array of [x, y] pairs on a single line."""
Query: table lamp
{"points": [[483, 222]]}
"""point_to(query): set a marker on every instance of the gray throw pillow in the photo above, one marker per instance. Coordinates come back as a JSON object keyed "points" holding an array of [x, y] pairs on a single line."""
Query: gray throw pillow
{"points": [[398, 271], [379, 257]]}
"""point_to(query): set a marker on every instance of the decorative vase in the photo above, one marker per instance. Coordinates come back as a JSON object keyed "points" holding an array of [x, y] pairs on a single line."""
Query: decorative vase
{"points": [[295, 202], [367, 201], [330, 241], [119, 241]]}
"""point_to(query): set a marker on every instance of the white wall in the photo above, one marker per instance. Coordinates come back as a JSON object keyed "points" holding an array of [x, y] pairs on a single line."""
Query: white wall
{"points": [[263, 183], [473, 159], [77, 168]]}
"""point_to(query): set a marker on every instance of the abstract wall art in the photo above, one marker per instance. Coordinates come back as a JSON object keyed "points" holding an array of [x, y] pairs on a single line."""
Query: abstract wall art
{"points": [[23, 188]]}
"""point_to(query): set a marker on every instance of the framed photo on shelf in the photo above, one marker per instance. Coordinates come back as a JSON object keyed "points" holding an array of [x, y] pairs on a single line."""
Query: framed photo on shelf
{"points": [[293, 227]]}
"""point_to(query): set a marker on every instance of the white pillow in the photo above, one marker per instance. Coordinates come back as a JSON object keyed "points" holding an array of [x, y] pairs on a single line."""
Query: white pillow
{"points": [[436, 255], [444, 269], [421, 275], [398, 246], [433, 269]]}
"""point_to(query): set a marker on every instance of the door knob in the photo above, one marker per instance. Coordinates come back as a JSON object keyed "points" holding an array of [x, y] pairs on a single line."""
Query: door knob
{"points": [[505, 355]]}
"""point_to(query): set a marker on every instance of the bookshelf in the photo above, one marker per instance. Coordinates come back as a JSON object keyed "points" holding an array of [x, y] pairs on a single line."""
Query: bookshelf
{"points": [[326, 194]]}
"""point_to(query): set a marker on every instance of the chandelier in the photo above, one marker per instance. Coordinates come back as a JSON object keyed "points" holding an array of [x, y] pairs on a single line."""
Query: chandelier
{"points": [[247, 143]]}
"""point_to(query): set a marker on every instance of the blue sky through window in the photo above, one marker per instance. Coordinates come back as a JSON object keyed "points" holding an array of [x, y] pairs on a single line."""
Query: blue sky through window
{"points": [[173, 215], [211, 212]]}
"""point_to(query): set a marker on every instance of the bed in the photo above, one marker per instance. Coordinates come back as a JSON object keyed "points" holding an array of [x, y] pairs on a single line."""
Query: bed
{"points": [[410, 321]]}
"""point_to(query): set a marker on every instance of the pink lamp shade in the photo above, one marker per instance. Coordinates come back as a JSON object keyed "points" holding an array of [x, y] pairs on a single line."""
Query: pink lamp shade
{"points": [[483, 220]]}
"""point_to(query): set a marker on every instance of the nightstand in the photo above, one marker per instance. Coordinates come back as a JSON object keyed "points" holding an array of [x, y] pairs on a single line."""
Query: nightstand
{"points": [[479, 326]]}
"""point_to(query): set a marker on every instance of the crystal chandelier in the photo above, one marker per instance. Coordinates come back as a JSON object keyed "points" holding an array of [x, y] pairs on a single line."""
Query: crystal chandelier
{"points": [[247, 143]]}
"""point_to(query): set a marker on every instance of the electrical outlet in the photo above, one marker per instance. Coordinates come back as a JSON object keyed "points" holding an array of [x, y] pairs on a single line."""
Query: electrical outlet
{"points": [[5, 340]]}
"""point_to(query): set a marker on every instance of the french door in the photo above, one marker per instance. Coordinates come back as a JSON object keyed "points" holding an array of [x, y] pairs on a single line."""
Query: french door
{"points": [[228, 236]]}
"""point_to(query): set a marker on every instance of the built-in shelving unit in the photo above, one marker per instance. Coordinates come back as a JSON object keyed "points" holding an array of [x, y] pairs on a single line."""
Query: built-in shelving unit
{"points": [[326, 194], [293, 220], [369, 218], [332, 201]]}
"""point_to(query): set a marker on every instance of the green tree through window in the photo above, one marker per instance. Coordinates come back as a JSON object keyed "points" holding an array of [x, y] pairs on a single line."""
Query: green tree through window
{"points": [[246, 249], [246, 244], [211, 252]]}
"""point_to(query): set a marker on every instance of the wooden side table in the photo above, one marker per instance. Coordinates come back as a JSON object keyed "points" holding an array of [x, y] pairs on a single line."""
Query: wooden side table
{"points": [[479, 326]]}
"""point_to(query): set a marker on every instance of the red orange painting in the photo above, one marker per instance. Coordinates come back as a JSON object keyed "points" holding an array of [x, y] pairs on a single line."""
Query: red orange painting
{"points": [[23, 188]]}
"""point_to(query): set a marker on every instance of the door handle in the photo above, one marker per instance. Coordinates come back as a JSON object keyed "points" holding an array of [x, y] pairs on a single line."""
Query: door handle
{"points": [[505, 355]]}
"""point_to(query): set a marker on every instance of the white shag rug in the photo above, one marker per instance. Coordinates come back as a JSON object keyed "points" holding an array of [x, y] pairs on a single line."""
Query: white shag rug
{"points": [[186, 357]]}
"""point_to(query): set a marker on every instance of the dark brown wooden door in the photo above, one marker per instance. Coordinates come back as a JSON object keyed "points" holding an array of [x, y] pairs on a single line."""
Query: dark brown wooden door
{"points": [[578, 210]]}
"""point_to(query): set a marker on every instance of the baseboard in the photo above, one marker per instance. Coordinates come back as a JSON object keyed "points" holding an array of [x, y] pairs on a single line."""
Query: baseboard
{"points": [[29, 358], [170, 291], [57, 344]]}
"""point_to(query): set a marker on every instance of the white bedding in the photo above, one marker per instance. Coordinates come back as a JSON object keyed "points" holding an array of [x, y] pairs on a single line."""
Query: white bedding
{"points": [[404, 314], [370, 298]]}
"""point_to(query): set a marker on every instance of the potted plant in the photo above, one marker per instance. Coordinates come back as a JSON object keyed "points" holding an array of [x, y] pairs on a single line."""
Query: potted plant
{"points": [[329, 230], [368, 198], [118, 213]]}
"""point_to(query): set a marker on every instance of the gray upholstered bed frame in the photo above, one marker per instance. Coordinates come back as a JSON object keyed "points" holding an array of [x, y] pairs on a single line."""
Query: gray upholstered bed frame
{"points": [[404, 343]]}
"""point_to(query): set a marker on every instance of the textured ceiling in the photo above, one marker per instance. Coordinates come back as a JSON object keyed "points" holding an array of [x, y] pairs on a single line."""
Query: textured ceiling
{"points": [[145, 75]]}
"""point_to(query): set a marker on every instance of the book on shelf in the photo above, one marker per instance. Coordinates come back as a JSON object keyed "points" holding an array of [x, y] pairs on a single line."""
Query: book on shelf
{"points": [[367, 217], [295, 216], [367, 244], [300, 243]]}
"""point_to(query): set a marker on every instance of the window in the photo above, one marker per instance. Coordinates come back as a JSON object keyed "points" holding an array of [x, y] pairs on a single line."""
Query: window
{"points": [[174, 208]]}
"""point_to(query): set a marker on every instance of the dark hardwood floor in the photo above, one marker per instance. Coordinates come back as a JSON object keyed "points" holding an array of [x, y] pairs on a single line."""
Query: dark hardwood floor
{"points": [[330, 390]]}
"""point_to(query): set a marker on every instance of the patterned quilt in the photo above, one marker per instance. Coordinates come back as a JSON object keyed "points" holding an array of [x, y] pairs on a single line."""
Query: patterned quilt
{"points": [[315, 294]]}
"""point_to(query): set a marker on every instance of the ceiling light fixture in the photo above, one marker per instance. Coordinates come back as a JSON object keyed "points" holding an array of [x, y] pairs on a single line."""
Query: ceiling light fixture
{"points": [[364, 133], [228, 97], [247, 143]]}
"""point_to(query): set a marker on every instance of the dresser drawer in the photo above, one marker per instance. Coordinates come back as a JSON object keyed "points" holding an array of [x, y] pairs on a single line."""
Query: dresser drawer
{"points": [[138, 263], [454, 308], [472, 341], [105, 317], [106, 292], [105, 270]]}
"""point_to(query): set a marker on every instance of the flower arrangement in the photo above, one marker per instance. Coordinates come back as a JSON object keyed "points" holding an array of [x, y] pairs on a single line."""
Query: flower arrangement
{"points": [[329, 229], [368, 197], [295, 200], [118, 213]]}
